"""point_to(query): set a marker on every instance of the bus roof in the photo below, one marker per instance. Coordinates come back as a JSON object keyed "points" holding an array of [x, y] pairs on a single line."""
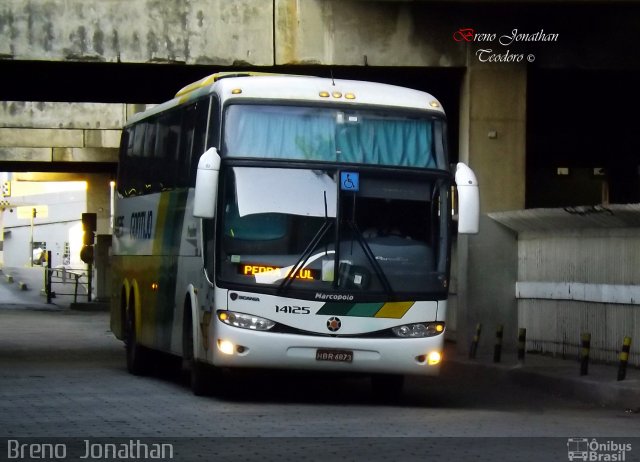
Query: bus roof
{"points": [[256, 85]]}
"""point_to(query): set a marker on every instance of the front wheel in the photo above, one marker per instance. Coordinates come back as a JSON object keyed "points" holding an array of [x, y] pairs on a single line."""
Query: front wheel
{"points": [[387, 387], [200, 374]]}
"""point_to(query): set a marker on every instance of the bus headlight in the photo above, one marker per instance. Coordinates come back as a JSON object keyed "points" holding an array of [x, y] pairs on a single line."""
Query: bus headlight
{"points": [[417, 330], [245, 321]]}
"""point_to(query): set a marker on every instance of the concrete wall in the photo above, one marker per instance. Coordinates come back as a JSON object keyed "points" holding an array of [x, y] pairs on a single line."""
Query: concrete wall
{"points": [[99, 200], [60, 132], [332, 32], [336, 32], [339, 32], [194, 32], [221, 32], [581, 280]]}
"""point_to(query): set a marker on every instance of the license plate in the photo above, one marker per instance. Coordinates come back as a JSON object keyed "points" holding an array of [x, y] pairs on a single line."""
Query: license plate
{"points": [[341, 356]]}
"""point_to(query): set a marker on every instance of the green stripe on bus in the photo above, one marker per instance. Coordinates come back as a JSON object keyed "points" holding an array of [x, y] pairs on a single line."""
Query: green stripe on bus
{"points": [[365, 310], [336, 309]]}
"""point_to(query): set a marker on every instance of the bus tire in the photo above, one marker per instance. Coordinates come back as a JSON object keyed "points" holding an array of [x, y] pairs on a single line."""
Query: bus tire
{"points": [[199, 373], [137, 355], [387, 387]]}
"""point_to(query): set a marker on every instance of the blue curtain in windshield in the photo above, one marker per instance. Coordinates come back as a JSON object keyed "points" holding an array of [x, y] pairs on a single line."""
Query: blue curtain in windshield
{"points": [[386, 142], [326, 135]]}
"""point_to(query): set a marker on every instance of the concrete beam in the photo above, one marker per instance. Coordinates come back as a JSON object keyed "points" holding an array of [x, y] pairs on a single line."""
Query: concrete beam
{"points": [[138, 31], [102, 138], [25, 154], [17, 154], [21, 114], [351, 32], [84, 155], [41, 137], [59, 138]]}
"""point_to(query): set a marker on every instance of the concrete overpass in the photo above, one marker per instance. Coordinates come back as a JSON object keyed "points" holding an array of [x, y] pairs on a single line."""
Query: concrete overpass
{"points": [[533, 89]]}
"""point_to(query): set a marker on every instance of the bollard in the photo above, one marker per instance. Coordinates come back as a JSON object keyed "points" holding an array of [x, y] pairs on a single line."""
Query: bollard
{"points": [[584, 353], [497, 348], [522, 343], [624, 358], [474, 342]]}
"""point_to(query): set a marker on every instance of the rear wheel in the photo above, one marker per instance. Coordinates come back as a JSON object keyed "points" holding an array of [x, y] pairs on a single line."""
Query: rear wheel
{"points": [[137, 355]]}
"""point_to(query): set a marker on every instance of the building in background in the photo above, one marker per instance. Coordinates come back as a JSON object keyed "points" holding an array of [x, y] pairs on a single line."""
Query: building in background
{"points": [[41, 216]]}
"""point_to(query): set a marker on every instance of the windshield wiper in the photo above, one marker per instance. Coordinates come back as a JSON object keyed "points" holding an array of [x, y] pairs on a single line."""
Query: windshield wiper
{"points": [[311, 246], [371, 257], [299, 264]]}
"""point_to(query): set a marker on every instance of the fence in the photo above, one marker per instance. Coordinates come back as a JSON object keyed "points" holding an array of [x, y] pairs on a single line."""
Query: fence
{"points": [[67, 281]]}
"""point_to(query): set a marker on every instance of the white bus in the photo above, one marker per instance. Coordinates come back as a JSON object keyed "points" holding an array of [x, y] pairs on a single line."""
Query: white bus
{"points": [[274, 221]]}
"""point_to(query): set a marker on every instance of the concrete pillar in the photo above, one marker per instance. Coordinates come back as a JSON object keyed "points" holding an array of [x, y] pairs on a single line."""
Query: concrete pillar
{"points": [[493, 143], [99, 200]]}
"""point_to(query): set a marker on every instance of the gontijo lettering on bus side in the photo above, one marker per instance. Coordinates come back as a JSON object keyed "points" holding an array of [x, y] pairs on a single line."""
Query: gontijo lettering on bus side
{"points": [[140, 225]]}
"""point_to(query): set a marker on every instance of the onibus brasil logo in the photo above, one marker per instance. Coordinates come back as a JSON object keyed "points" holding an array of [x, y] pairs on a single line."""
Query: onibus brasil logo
{"points": [[594, 450]]}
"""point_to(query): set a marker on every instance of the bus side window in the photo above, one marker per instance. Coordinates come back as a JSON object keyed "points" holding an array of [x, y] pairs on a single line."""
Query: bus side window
{"points": [[213, 132], [199, 136], [126, 149], [148, 164], [165, 163], [183, 170], [133, 166]]}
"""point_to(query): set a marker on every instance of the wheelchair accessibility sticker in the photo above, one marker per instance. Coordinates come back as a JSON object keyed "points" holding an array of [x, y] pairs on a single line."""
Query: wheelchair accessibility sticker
{"points": [[350, 181]]}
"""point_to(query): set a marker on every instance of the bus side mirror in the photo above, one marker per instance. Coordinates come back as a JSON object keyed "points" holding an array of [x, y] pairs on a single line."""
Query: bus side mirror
{"points": [[468, 200], [204, 202]]}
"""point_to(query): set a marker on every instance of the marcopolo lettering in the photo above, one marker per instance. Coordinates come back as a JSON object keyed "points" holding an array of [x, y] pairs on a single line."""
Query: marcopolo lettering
{"points": [[334, 297], [141, 225]]}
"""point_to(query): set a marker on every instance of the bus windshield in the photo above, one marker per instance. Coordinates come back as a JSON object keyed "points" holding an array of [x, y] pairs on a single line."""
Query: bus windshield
{"points": [[364, 136], [290, 229]]}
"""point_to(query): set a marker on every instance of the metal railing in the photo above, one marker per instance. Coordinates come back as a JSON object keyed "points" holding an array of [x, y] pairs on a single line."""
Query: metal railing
{"points": [[65, 279]]}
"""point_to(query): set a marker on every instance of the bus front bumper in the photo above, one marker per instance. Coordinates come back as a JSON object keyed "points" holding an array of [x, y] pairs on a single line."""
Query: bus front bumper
{"points": [[235, 347]]}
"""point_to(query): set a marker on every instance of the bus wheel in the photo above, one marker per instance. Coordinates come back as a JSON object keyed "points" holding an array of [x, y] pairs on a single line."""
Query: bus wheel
{"points": [[199, 373], [387, 387], [137, 355]]}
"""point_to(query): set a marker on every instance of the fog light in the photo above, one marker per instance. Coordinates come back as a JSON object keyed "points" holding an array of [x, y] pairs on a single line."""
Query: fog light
{"points": [[226, 347], [434, 358]]}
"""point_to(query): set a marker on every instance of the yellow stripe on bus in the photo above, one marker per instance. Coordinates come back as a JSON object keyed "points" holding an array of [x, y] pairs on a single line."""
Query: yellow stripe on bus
{"points": [[394, 310]]}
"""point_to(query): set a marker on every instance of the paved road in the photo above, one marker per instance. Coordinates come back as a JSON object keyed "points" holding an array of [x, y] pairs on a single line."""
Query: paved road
{"points": [[62, 374]]}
